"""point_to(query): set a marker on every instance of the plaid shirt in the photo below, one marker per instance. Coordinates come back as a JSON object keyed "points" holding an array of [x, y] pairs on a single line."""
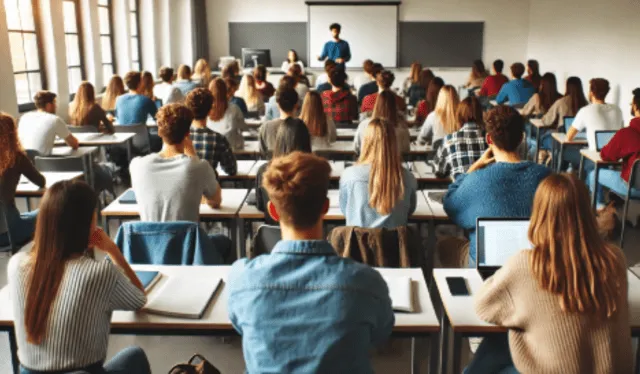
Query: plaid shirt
{"points": [[460, 150], [214, 147], [340, 106]]}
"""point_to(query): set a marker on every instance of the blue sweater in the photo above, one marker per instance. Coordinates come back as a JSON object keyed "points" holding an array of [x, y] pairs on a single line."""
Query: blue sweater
{"points": [[134, 109], [499, 190], [334, 50], [516, 92]]}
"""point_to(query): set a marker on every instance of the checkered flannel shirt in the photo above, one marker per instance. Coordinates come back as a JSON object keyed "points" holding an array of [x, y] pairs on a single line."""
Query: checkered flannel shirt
{"points": [[345, 110], [214, 148], [460, 150]]}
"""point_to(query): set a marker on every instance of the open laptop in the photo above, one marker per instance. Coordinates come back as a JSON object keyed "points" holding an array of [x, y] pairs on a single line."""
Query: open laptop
{"points": [[497, 240]]}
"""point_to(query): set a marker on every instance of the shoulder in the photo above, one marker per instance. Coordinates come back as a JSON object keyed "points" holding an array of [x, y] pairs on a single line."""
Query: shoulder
{"points": [[538, 170], [356, 172], [431, 116], [410, 179], [17, 264]]}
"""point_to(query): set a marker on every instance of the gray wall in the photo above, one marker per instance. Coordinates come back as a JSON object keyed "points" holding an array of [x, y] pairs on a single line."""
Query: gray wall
{"points": [[278, 37]]}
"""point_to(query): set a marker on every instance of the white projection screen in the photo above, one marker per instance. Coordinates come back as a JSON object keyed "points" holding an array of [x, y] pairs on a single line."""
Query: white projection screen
{"points": [[371, 30]]}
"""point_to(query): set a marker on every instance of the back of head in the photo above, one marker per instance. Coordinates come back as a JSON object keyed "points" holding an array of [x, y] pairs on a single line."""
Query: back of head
{"points": [[636, 98], [367, 66], [260, 73], [184, 72], [576, 92], [229, 71], [202, 68], [576, 265], [287, 99], [548, 90], [147, 83], [295, 71], [286, 83], [517, 70], [534, 67], [115, 88], [200, 102], [166, 74], [337, 77], [218, 89], [425, 78], [478, 69], [132, 80], [599, 88], [377, 69], [174, 123], [385, 79], [232, 86], [504, 126], [446, 108], [43, 98], [329, 65], [9, 142], [416, 69], [292, 136], [498, 65], [297, 185], [470, 111], [386, 107], [82, 103], [313, 115]]}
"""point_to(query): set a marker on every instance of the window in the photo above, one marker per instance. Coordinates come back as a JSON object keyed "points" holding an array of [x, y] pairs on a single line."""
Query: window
{"points": [[105, 16], [73, 43], [134, 24], [26, 55]]}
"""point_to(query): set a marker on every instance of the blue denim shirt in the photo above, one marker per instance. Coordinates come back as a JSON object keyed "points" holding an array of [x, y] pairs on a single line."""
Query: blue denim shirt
{"points": [[303, 309]]}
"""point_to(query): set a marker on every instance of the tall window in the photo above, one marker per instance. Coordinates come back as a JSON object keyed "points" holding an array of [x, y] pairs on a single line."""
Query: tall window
{"points": [[28, 68], [134, 22], [73, 43], [106, 39]]}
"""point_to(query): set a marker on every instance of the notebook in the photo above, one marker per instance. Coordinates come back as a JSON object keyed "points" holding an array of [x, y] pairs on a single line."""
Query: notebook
{"points": [[183, 297], [401, 293], [128, 197], [148, 278]]}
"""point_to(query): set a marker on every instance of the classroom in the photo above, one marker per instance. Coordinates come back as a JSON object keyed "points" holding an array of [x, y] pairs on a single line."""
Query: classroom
{"points": [[319, 186]]}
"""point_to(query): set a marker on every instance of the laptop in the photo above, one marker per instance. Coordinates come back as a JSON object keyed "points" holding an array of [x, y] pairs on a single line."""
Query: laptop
{"points": [[497, 240]]}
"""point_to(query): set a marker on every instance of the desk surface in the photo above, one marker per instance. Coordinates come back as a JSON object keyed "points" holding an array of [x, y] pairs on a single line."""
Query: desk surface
{"points": [[437, 208], [216, 318], [27, 189], [251, 147], [99, 139], [562, 139], [537, 122], [595, 157], [245, 168], [69, 152]]}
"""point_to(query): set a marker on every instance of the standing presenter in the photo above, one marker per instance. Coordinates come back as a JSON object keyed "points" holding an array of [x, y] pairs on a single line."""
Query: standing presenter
{"points": [[336, 50]]}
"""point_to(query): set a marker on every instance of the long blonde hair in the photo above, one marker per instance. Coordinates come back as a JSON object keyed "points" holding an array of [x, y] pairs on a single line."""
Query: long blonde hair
{"points": [[575, 264], [114, 89], [446, 108], [202, 71], [82, 104], [380, 150], [248, 90], [313, 114], [147, 84]]}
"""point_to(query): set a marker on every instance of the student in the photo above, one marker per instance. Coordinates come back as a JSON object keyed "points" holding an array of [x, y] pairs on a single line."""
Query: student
{"points": [[286, 83], [625, 146], [336, 308], [225, 117], [428, 105], [378, 191], [250, 95], [13, 164], [533, 74], [265, 88], [386, 108], [134, 108], [147, 85], [418, 91], [518, 91], [327, 86], [38, 129], [477, 76], [208, 144], [370, 87], [84, 111], [546, 96], [564, 301], [464, 147], [384, 80], [63, 298], [165, 91], [115, 88], [292, 59], [499, 184], [413, 78], [232, 88], [442, 121], [300, 87], [322, 129], [169, 185], [493, 83], [368, 76], [184, 82], [339, 104], [201, 73], [324, 77], [567, 106], [292, 135], [598, 115], [337, 49], [287, 100], [232, 71]]}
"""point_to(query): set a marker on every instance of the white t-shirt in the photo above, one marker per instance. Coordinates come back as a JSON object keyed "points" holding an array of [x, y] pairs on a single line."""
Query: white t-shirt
{"points": [[322, 78], [167, 93], [37, 131], [596, 117], [287, 65]]}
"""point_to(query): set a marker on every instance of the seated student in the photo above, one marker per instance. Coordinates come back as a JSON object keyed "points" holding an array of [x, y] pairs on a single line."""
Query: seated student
{"points": [[286, 83], [291, 136], [533, 74], [324, 77], [201, 73], [147, 85], [370, 87], [378, 191], [322, 129], [292, 59], [385, 109], [542, 100], [300, 87], [184, 82], [114, 89], [13, 164], [464, 147], [336, 308], [493, 83], [442, 121], [625, 146], [418, 91], [225, 117], [518, 91], [84, 111], [339, 104], [232, 88], [134, 108], [38, 129], [250, 95], [567, 106], [330, 65], [564, 300], [428, 105], [413, 78], [63, 298], [499, 184], [360, 80], [287, 104], [232, 71], [477, 76], [166, 91], [208, 144], [265, 88], [384, 80]]}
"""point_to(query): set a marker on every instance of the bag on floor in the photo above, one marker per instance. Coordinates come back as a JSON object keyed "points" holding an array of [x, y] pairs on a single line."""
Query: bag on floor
{"points": [[608, 222], [201, 367]]}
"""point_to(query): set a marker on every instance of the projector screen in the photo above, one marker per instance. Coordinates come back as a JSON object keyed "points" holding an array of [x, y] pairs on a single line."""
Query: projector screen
{"points": [[372, 32]]}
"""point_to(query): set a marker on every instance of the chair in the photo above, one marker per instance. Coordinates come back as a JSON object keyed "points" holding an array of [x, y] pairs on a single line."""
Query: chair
{"points": [[4, 230], [633, 193], [603, 137], [51, 163], [264, 240], [82, 129], [141, 141]]}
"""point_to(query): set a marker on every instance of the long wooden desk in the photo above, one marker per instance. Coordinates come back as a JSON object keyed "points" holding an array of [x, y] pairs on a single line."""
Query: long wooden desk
{"points": [[599, 163], [244, 172]]}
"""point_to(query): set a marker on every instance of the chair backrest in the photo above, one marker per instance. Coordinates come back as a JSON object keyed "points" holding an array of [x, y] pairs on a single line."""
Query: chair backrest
{"points": [[59, 163], [437, 144], [264, 240], [142, 139], [634, 177], [4, 229], [82, 129], [603, 137]]}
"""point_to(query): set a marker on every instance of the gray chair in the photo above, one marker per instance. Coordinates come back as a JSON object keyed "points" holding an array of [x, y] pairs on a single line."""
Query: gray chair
{"points": [[82, 129], [61, 164], [142, 140], [264, 240], [633, 193]]}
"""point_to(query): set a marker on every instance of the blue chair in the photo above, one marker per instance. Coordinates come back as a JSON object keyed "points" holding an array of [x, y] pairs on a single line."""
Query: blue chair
{"points": [[603, 137], [633, 193]]}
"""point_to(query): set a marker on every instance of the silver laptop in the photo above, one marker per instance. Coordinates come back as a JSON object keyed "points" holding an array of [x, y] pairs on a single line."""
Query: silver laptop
{"points": [[497, 240]]}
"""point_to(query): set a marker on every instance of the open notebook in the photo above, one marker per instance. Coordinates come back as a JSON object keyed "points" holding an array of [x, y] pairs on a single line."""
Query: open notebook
{"points": [[183, 297], [401, 292]]}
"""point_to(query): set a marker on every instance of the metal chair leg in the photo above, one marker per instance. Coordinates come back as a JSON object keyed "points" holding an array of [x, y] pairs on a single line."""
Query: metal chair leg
{"points": [[624, 220]]}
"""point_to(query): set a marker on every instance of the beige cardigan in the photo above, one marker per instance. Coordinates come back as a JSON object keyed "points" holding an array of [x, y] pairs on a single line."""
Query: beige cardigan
{"points": [[560, 109], [544, 339]]}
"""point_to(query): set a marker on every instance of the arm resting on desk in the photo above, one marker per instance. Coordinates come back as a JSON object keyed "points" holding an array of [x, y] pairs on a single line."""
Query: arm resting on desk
{"points": [[29, 170], [494, 303], [617, 148], [571, 133]]}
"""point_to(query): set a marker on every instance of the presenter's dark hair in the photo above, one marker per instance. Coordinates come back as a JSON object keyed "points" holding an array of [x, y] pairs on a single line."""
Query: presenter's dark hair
{"points": [[335, 26], [498, 65]]}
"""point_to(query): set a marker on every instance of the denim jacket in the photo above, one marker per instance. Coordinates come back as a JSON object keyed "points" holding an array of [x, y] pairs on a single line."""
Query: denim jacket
{"points": [[166, 243], [303, 309]]}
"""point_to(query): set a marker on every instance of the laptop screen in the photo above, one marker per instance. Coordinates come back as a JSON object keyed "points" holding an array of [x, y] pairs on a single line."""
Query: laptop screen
{"points": [[499, 239]]}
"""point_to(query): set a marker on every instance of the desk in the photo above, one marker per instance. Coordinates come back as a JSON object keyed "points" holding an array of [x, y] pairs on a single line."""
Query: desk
{"points": [[151, 122], [426, 174], [27, 189], [83, 153], [251, 150], [539, 125], [254, 122], [594, 156], [560, 140], [349, 134], [97, 139], [244, 172]]}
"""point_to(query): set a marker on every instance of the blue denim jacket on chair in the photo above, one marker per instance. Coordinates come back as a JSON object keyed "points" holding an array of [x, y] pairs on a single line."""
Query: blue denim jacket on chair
{"points": [[166, 243], [303, 309]]}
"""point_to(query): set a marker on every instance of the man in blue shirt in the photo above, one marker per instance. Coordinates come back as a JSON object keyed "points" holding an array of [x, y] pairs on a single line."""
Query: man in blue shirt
{"points": [[302, 308], [133, 107], [336, 50], [518, 91]]}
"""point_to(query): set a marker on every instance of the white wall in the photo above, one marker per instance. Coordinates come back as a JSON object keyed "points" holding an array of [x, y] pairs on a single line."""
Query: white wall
{"points": [[8, 97]]}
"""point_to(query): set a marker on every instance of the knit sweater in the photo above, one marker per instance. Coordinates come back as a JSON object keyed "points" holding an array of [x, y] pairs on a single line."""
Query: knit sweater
{"points": [[544, 339]]}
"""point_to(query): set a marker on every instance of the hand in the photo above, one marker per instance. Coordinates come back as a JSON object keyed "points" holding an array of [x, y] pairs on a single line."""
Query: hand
{"points": [[484, 161], [319, 58], [99, 239], [339, 60]]}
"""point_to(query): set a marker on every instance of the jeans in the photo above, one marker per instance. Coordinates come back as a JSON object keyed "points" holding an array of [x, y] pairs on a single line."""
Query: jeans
{"points": [[613, 181], [492, 356], [21, 226], [130, 360]]}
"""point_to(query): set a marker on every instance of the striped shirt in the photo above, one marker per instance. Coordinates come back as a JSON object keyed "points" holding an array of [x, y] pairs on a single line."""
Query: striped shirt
{"points": [[77, 332]]}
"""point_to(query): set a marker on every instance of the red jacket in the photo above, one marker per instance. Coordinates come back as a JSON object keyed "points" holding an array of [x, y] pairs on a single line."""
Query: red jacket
{"points": [[493, 84], [624, 145]]}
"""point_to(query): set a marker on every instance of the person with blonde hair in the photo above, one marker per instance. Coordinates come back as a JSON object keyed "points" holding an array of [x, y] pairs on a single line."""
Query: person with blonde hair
{"points": [[147, 85], [201, 73], [385, 108], [84, 111], [184, 82], [251, 95], [225, 117], [442, 121], [564, 300], [114, 89], [378, 192], [322, 129]]}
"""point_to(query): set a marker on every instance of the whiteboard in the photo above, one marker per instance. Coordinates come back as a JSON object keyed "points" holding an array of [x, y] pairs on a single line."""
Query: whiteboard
{"points": [[372, 32]]}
